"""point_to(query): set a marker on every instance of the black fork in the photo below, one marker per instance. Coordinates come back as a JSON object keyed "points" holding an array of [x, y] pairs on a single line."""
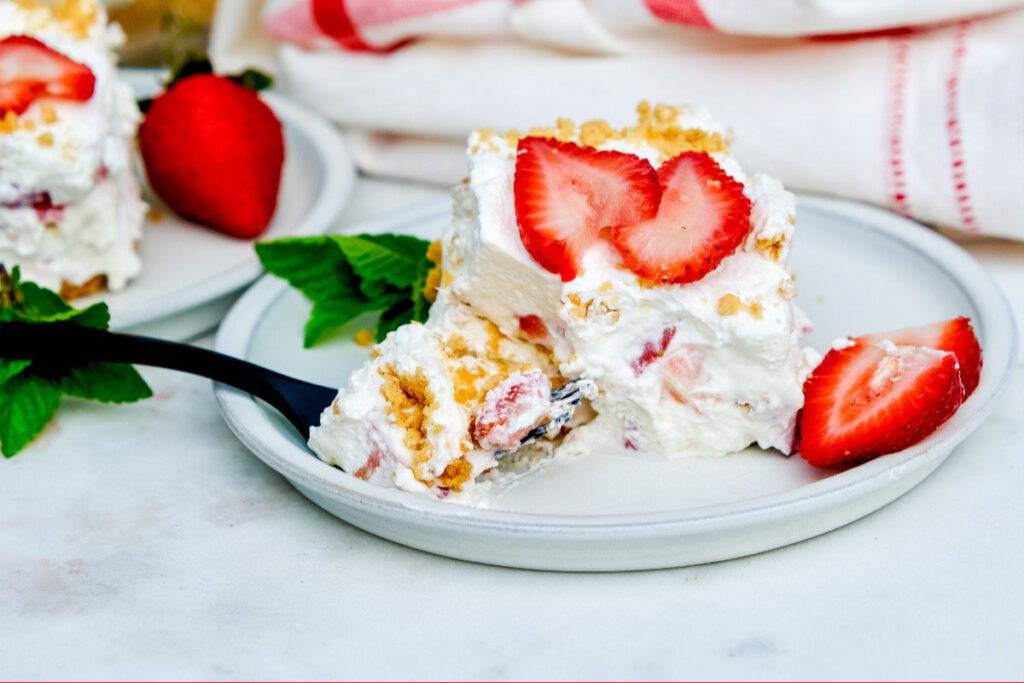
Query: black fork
{"points": [[300, 402]]}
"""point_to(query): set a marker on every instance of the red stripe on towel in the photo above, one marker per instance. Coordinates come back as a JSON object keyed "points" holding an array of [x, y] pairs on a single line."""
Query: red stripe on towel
{"points": [[679, 11], [895, 169], [956, 141], [892, 32], [332, 18]]}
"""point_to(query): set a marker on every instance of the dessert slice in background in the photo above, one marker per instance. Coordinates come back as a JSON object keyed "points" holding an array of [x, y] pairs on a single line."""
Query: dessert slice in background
{"points": [[70, 207]]}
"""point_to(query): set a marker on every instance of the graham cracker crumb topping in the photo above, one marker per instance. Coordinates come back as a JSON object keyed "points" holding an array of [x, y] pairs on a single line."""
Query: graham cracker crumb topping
{"points": [[730, 304], [656, 127], [69, 290], [434, 252], [456, 474], [9, 123], [47, 113], [76, 17], [410, 403], [772, 246], [433, 280]]}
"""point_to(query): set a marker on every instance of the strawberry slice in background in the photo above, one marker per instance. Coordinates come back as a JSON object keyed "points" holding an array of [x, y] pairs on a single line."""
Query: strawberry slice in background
{"points": [[956, 336], [565, 194], [871, 399], [703, 218], [30, 69]]}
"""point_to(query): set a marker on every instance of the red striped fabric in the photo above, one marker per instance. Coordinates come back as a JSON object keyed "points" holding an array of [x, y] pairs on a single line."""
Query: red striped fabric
{"points": [[954, 129], [686, 12], [332, 18], [895, 168]]}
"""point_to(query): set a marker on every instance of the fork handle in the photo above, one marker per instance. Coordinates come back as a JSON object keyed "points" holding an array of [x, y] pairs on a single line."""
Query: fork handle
{"points": [[67, 342]]}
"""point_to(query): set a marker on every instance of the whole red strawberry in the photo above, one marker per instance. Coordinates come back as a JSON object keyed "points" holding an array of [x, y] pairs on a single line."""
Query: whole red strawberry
{"points": [[213, 153]]}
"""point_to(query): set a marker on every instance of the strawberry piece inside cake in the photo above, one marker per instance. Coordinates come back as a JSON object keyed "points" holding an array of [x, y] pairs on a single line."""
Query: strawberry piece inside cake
{"points": [[70, 207], [601, 287]]}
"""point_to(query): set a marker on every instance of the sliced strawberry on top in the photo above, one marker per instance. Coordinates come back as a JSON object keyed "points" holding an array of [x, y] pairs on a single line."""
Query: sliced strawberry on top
{"points": [[18, 96], [30, 69], [865, 400], [703, 218], [565, 194], [956, 336]]}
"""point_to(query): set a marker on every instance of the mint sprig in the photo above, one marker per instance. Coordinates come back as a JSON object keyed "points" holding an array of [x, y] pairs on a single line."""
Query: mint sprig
{"points": [[30, 391], [348, 275]]}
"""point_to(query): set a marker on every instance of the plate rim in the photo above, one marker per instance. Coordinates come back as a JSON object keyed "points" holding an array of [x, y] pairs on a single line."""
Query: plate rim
{"points": [[338, 171], [250, 424]]}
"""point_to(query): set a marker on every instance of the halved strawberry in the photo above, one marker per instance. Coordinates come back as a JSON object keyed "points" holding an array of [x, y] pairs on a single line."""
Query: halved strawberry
{"points": [[867, 400], [703, 218], [956, 336], [30, 69], [565, 194]]}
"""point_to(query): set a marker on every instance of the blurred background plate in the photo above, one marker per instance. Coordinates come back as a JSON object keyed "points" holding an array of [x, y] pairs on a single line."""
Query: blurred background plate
{"points": [[191, 274], [861, 269]]}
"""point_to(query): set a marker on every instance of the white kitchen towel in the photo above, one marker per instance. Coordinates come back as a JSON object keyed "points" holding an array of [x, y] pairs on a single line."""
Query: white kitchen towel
{"points": [[911, 105]]}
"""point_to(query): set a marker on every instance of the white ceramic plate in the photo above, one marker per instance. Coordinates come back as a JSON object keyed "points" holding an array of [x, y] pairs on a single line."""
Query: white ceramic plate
{"points": [[191, 274], [860, 269]]}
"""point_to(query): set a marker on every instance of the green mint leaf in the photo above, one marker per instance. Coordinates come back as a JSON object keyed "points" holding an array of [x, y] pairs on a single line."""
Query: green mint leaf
{"points": [[26, 405], [313, 265], [11, 368], [43, 305], [328, 315], [394, 317], [38, 303], [349, 275], [106, 382], [30, 391], [96, 316], [383, 262]]}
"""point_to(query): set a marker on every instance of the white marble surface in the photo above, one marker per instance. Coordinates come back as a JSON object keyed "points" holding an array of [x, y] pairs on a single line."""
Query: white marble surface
{"points": [[144, 541]]}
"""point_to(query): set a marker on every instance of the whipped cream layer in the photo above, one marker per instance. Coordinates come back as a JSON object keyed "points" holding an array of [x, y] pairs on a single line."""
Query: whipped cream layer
{"points": [[69, 202], [404, 419], [705, 368]]}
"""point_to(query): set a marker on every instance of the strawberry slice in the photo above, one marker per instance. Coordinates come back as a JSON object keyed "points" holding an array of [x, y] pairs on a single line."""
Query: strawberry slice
{"points": [[867, 400], [703, 218], [956, 336], [18, 95], [512, 409], [30, 69], [565, 194]]}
